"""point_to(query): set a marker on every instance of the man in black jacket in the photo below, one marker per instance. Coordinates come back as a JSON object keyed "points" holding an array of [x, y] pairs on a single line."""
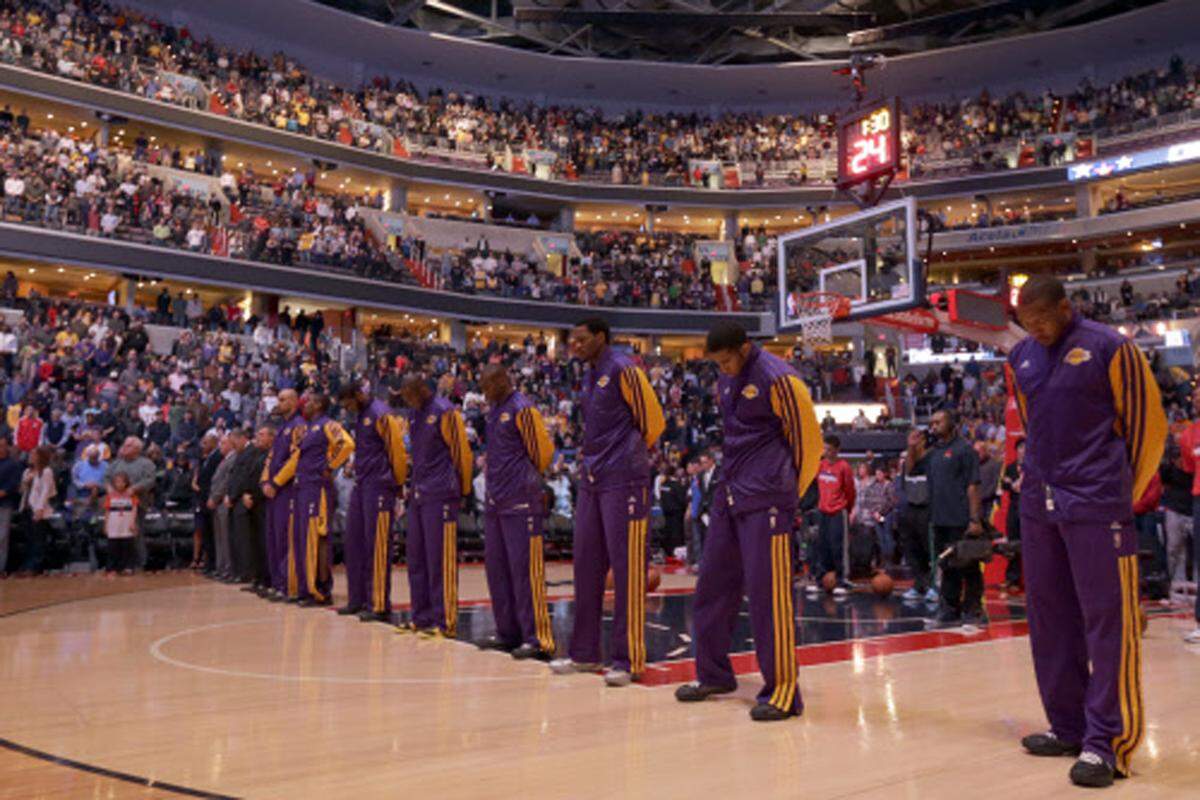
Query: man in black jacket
{"points": [[249, 529], [210, 459]]}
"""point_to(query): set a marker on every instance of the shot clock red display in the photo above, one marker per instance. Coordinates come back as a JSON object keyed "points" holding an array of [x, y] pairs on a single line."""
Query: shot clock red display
{"points": [[869, 143]]}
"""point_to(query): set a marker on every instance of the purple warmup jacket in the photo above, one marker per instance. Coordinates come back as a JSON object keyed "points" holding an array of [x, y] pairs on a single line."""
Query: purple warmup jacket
{"points": [[286, 437], [323, 446], [622, 419], [772, 441], [518, 452], [380, 459], [1094, 423], [441, 455]]}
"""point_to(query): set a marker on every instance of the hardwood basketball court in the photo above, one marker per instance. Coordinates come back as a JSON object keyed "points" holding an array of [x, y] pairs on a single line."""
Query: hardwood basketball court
{"points": [[169, 685]]}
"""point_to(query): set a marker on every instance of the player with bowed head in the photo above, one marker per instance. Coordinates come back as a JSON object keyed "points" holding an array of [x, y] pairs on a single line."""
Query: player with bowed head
{"points": [[441, 468], [771, 451], [1095, 431], [281, 553], [380, 469], [519, 451], [622, 420]]}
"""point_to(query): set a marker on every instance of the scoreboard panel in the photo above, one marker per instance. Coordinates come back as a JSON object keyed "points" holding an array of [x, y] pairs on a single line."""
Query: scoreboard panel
{"points": [[869, 143]]}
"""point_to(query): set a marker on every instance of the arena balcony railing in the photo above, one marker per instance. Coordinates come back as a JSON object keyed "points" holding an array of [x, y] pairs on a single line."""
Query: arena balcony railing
{"points": [[485, 167]]}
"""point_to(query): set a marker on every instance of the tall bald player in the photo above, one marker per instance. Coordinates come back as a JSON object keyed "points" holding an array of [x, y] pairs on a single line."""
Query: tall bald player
{"points": [[281, 499], [772, 449], [441, 468], [380, 469], [622, 420], [322, 448], [1095, 431], [518, 452]]}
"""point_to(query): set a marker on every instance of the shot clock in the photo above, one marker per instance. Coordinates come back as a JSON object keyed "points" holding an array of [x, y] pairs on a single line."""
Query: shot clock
{"points": [[869, 143]]}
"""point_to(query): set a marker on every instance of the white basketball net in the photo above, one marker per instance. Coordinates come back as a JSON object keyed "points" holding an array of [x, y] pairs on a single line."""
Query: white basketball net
{"points": [[817, 329], [815, 315]]}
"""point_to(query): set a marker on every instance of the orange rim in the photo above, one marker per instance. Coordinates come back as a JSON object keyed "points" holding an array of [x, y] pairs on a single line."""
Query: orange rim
{"points": [[835, 305]]}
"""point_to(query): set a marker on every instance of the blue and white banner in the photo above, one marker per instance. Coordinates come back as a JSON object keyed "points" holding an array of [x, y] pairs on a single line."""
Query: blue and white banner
{"points": [[1131, 162]]}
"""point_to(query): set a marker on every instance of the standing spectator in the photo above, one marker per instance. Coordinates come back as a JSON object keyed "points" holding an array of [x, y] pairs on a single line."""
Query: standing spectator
{"points": [[955, 513], [1177, 503], [120, 525], [29, 430], [874, 510], [1189, 447], [835, 482], [204, 552], [914, 517], [37, 486], [1011, 482], [219, 507]]}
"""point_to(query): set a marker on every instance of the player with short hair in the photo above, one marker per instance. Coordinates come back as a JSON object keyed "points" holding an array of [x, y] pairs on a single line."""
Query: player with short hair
{"points": [[835, 484], [1095, 431], [281, 500], [519, 451], [441, 469], [322, 448], [770, 456], [622, 420], [380, 469]]}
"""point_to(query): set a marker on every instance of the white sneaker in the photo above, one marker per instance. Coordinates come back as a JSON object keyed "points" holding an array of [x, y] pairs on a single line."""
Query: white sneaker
{"points": [[1193, 637], [565, 666], [932, 596], [812, 589], [840, 591], [617, 677], [911, 594]]}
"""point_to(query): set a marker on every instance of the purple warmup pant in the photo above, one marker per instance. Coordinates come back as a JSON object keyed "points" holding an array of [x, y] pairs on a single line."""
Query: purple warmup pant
{"points": [[516, 577], [368, 549], [1081, 583], [432, 555], [309, 561], [748, 553], [279, 511], [610, 531]]}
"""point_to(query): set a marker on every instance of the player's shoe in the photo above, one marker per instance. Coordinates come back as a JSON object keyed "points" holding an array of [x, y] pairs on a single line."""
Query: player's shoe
{"points": [[348, 610], [842, 589], [812, 589], [1193, 637], [406, 627], [932, 596], [765, 712], [912, 595], [565, 666], [1091, 770], [617, 677], [367, 615], [1047, 744], [495, 643], [531, 651], [695, 691]]}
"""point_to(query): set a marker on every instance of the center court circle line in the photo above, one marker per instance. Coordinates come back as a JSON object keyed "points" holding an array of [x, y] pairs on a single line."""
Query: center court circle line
{"points": [[156, 650]]}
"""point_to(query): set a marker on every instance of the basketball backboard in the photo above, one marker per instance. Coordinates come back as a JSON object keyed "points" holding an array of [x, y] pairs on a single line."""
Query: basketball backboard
{"points": [[868, 257]]}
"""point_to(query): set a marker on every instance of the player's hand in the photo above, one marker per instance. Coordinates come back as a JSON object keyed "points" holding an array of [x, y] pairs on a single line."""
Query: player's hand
{"points": [[247, 501], [975, 528], [268, 491]]}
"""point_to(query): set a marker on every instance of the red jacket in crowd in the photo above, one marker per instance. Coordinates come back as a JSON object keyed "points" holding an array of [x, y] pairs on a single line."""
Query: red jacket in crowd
{"points": [[1189, 453], [29, 434], [835, 481]]}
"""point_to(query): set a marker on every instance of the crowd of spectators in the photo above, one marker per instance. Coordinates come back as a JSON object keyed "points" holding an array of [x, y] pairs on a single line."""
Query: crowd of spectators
{"points": [[121, 49]]}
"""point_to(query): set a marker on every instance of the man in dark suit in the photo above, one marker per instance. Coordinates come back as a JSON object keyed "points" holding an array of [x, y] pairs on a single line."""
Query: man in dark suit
{"points": [[248, 514], [706, 481], [210, 458]]}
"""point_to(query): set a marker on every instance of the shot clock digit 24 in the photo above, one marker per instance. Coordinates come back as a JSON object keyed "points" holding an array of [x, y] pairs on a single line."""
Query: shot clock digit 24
{"points": [[869, 143]]}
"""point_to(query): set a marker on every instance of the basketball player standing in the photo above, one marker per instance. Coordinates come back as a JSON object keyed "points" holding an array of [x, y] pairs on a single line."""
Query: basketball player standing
{"points": [[622, 420], [1095, 431]]}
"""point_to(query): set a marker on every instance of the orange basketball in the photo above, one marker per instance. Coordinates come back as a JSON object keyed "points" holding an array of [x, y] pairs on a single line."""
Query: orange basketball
{"points": [[653, 579], [882, 584], [829, 581]]}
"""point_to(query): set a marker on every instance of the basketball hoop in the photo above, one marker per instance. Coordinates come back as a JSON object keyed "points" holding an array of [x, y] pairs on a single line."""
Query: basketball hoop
{"points": [[816, 311]]}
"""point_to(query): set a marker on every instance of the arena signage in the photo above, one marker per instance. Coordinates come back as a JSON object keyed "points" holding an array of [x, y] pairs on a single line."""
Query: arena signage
{"points": [[1145, 159]]}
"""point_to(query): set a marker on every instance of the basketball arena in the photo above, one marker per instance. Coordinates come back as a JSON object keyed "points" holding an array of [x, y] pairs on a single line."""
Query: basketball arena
{"points": [[577, 400]]}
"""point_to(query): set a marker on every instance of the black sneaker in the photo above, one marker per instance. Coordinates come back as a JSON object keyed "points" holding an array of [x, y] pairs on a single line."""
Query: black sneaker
{"points": [[765, 712], [1047, 744], [346, 611], [695, 692], [528, 651], [495, 643], [366, 615], [1091, 770]]}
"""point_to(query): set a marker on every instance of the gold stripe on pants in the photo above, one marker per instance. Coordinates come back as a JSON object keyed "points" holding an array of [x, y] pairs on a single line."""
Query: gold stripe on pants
{"points": [[537, 586], [450, 575], [635, 595]]}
